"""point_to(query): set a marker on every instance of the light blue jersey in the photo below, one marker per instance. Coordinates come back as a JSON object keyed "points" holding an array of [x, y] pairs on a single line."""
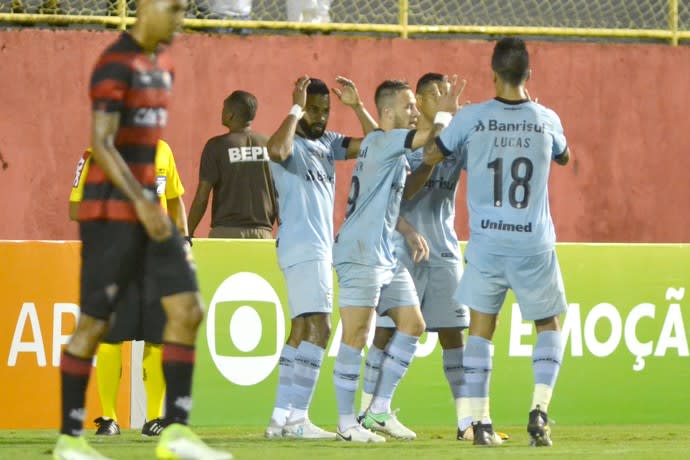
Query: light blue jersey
{"points": [[378, 179], [305, 184], [432, 210], [509, 147]]}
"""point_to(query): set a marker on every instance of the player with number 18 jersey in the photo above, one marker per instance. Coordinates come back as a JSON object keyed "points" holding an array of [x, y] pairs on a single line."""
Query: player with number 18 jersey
{"points": [[510, 147]]}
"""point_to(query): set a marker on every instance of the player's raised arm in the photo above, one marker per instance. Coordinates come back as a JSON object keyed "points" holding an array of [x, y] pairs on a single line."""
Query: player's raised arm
{"points": [[280, 143], [448, 105], [349, 96]]}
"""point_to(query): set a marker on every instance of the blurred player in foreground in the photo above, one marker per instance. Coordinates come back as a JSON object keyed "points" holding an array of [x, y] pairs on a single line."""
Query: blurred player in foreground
{"points": [[126, 235], [134, 319]]}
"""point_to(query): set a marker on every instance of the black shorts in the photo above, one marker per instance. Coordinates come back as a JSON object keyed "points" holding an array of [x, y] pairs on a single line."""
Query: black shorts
{"points": [[117, 256], [137, 317]]}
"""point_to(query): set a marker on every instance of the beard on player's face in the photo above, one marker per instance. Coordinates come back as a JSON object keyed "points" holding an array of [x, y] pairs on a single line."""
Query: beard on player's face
{"points": [[312, 130]]}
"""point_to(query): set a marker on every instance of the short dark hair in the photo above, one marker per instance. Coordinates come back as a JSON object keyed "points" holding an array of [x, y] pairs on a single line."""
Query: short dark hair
{"points": [[387, 89], [317, 86], [511, 60], [428, 78], [242, 104]]}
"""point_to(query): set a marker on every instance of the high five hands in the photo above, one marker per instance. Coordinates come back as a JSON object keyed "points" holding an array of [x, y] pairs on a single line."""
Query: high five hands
{"points": [[348, 95], [451, 90], [299, 94]]}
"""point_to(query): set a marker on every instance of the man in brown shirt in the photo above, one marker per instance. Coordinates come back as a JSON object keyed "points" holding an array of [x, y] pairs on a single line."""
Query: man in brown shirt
{"points": [[235, 166]]}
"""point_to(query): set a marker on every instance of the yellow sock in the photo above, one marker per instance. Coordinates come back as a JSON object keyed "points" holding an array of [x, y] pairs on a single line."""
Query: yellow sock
{"points": [[108, 372], [154, 381]]}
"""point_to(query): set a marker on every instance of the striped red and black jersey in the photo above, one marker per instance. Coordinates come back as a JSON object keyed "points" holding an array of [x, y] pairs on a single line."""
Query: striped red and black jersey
{"points": [[137, 85]]}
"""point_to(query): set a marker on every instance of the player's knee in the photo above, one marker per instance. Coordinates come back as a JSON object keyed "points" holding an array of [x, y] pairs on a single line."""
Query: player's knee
{"points": [[318, 329], [89, 332], [355, 335], [186, 319], [319, 322], [547, 324], [418, 327], [298, 329], [183, 312], [414, 326], [382, 336], [450, 338], [193, 317]]}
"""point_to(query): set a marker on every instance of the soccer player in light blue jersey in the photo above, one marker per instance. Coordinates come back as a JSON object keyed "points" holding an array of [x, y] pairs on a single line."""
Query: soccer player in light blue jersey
{"points": [[509, 143], [431, 213], [303, 155], [369, 273]]}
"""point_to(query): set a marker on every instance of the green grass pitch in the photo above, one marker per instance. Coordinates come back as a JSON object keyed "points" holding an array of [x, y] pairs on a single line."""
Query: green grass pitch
{"points": [[628, 442]]}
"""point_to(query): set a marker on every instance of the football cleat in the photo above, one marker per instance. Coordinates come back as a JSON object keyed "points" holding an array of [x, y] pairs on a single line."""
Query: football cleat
{"points": [[107, 426], [357, 433], [538, 429], [179, 442], [484, 435], [75, 448], [153, 427], [273, 430], [387, 422], [305, 429], [468, 435]]}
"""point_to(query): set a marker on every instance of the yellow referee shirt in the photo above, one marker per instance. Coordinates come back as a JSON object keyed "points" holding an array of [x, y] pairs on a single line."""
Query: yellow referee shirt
{"points": [[168, 181]]}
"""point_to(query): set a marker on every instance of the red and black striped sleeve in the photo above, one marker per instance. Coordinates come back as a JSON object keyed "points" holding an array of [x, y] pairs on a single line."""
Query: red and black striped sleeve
{"points": [[110, 81]]}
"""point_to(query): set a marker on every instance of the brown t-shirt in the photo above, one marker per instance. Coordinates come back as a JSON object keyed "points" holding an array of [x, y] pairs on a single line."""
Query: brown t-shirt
{"points": [[236, 164]]}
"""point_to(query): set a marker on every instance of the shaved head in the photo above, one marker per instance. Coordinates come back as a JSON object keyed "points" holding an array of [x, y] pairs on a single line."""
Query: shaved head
{"points": [[159, 20]]}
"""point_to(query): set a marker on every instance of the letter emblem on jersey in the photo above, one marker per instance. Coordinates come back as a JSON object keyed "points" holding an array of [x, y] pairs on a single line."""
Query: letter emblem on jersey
{"points": [[77, 175], [161, 181], [246, 154]]}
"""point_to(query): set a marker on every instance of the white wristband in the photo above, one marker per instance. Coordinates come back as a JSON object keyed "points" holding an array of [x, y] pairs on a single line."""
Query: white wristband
{"points": [[297, 111], [443, 118]]}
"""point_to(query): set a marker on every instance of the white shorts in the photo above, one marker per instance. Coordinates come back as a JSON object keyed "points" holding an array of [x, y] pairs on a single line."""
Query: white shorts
{"points": [[536, 281], [435, 288], [310, 287], [383, 289]]}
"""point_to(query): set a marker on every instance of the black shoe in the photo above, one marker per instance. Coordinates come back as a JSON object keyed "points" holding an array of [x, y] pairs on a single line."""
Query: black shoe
{"points": [[538, 429], [484, 435], [107, 426], [468, 434], [153, 427], [465, 435]]}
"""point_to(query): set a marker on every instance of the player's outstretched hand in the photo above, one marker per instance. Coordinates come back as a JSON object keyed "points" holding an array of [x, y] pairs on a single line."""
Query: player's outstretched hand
{"points": [[419, 249], [450, 94], [348, 95], [156, 223], [299, 94]]}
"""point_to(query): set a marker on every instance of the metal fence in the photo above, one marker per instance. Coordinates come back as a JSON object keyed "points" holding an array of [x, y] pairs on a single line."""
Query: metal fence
{"points": [[656, 20]]}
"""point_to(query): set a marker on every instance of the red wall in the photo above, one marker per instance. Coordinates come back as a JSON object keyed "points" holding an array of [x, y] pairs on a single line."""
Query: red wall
{"points": [[624, 109]]}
